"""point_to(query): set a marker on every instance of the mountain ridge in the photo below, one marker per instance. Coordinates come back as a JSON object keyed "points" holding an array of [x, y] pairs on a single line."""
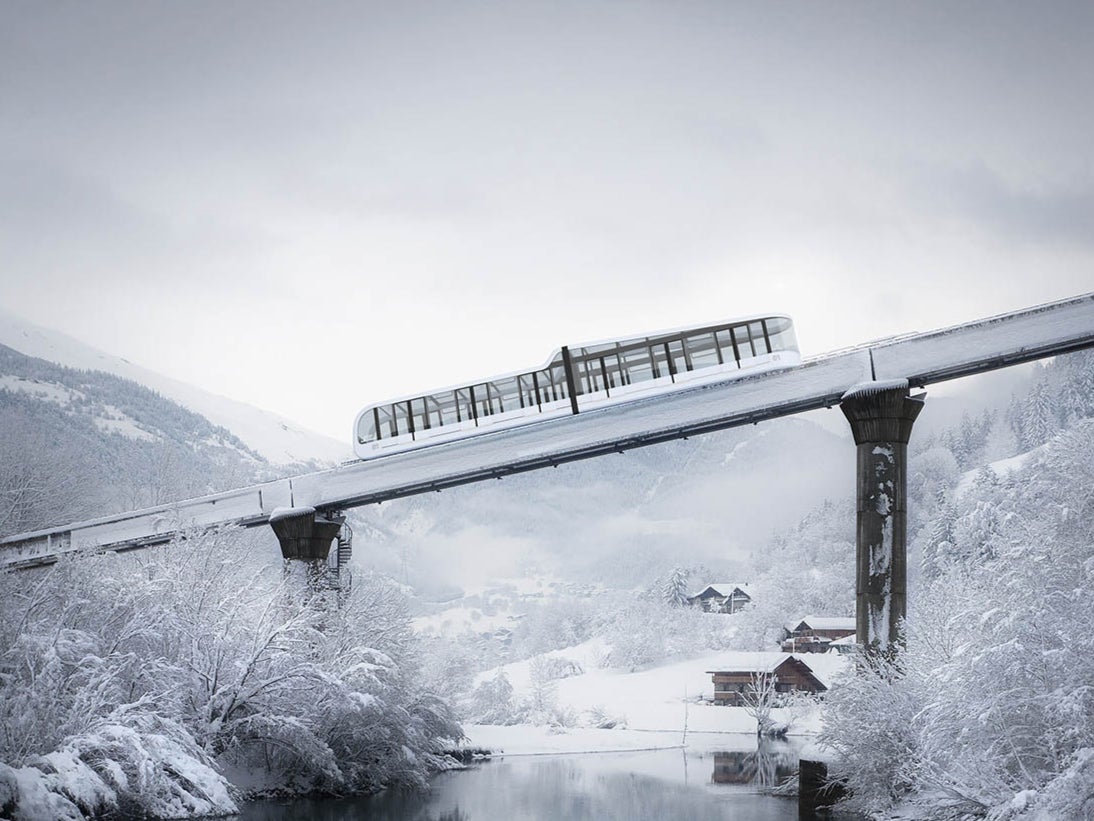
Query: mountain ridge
{"points": [[278, 439]]}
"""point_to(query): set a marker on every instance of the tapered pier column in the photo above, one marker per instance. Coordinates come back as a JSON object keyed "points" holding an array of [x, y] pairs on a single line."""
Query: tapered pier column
{"points": [[881, 416], [305, 538]]}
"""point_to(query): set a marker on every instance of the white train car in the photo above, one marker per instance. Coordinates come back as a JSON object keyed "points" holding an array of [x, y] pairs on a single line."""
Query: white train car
{"points": [[580, 378]]}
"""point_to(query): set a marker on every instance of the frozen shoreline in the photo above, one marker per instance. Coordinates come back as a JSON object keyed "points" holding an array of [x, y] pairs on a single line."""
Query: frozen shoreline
{"points": [[528, 740]]}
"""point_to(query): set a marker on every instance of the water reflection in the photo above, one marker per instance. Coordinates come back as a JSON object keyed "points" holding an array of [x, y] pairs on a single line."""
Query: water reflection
{"points": [[604, 787], [767, 766]]}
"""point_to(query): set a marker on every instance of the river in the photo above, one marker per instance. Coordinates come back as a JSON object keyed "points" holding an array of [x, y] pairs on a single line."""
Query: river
{"points": [[660, 784]]}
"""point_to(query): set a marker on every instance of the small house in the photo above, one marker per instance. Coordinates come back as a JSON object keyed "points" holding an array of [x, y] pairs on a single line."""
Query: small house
{"points": [[814, 634], [721, 597], [740, 674]]}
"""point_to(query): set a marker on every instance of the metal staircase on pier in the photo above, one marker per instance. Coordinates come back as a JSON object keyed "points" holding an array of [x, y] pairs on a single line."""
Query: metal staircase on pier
{"points": [[339, 576]]}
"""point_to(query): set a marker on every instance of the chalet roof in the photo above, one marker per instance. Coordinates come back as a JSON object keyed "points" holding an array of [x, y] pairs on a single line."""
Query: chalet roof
{"points": [[851, 639], [723, 589], [761, 662], [750, 662], [821, 623]]}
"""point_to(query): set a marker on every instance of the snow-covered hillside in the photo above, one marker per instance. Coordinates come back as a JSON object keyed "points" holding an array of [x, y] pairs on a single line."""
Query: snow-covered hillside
{"points": [[278, 439]]}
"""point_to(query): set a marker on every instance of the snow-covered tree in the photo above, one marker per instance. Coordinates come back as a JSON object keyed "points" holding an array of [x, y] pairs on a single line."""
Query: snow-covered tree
{"points": [[40, 484], [991, 712], [149, 676], [675, 590], [1039, 420]]}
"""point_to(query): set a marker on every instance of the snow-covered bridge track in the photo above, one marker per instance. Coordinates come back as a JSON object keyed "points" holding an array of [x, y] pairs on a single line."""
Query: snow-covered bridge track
{"points": [[922, 359]]}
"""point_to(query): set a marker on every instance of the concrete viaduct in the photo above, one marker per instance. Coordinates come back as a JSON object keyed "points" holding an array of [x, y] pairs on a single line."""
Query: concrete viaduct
{"points": [[871, 383]]}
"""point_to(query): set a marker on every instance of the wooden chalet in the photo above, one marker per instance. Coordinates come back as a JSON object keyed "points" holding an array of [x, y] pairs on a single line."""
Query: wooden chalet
{"points": [[741, 673], [721, 597], [814, 634]]}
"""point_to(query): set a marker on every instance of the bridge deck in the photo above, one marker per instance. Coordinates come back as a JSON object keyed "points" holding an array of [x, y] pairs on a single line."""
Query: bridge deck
{"points": [[819, 382]]}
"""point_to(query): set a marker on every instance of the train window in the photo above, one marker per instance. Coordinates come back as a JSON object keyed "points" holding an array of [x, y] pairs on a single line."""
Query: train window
{"points": [[635, 363], [620, 368], [759, 339], [419, 415], [725, 346], [527, 383], [781, 333], [740, 341], [587, 374], [541, 380], [560, 388], [703, 350], [447, 408], [401, 423], [507, 394], [658, 361], [679, 362], [387, 422], [464, 405], [483, 402], [609, 369], [366, 429]]}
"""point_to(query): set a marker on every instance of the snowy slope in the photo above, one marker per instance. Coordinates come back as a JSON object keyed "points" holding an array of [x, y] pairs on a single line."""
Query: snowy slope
{"points": [[278, 439], [654, 699]]}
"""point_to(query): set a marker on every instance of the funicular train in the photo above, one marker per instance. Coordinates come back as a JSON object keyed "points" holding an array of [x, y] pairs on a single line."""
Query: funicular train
{"points": [[579, 378]]}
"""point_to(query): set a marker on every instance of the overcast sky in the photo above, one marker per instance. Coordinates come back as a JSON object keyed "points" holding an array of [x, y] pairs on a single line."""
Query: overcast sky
{"points": [[399, 196]]}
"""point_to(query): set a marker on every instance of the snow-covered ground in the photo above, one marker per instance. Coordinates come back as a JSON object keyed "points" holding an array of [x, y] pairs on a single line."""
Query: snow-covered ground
{"points": [[653, 704], [1001, 467]]}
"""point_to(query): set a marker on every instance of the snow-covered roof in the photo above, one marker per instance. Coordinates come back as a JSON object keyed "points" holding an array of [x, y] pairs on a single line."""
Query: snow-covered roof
{"points": [[822, 623], [724, 589], [849, 640], [757, 661], [875, 386]]}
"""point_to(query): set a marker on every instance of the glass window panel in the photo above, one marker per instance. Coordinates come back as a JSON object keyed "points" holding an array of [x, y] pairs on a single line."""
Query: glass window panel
{"points": [[659, 363], [366, 430], [543, 380], [609, 369], [401, 424], [725, 345], [560, 389], [463, 403], [679, 361], [421, 419], [484, 400], [636, 364], [781, 332], [448, 408], [585, 377], [740, 336], [759, 344], [703, 351], [506, 395]]}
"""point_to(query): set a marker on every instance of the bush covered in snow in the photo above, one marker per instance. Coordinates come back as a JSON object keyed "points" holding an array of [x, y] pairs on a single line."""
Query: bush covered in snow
{"points": [[134, 683], [991, 712]]}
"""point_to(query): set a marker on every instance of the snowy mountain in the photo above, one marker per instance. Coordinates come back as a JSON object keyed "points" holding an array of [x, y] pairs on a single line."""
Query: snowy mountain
{"points": [[277, 439]]}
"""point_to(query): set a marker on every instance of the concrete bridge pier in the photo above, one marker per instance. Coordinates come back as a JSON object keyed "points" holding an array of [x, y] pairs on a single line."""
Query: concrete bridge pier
{"points": [[881, 416], [305, 537]]}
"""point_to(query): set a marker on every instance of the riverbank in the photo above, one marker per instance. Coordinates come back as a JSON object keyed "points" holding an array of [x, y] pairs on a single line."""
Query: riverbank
{"points": [[525, 740]]}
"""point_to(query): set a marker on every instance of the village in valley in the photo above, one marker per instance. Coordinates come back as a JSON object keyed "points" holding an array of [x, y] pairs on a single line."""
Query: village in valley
{"points": [[745, 677]]}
